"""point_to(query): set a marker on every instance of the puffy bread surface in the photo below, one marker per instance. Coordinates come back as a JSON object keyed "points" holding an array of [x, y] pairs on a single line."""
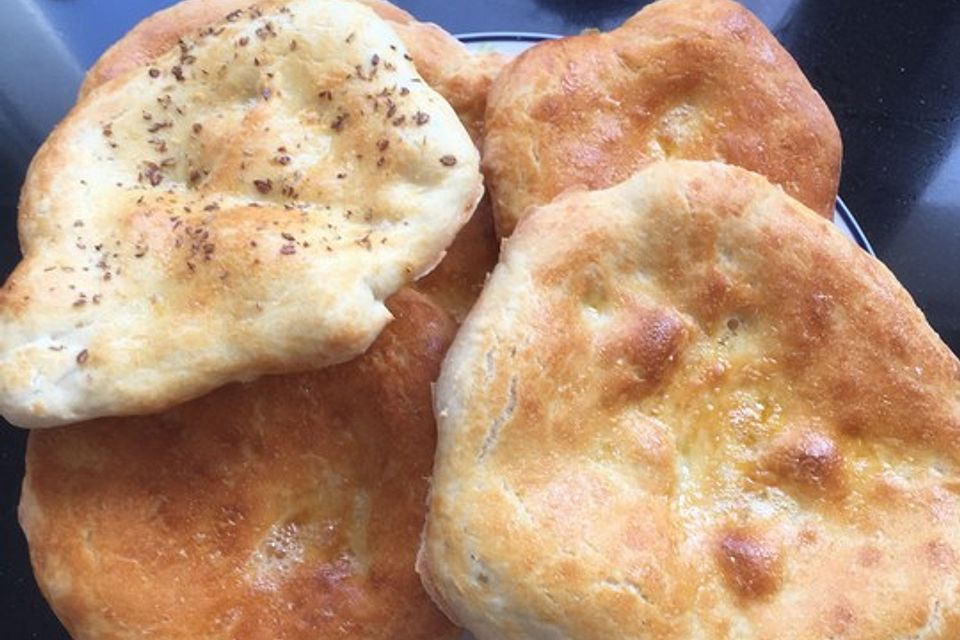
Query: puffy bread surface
{"points": [[686, 407], [462, 77], [241, 206], [286, 508], [688, 79]]}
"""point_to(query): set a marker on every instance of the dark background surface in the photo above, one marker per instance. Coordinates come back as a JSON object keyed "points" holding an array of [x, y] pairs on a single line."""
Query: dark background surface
{"points": [[890, 72]]}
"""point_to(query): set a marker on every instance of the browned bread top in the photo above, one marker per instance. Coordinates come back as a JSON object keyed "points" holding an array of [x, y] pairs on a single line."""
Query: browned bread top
{"points": [[287, 508], [688, 79], [688, 407]]}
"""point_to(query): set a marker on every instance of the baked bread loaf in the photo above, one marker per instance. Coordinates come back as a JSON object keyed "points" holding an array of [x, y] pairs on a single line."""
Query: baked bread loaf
{"points": [[463, 78], [289, 507], [687, 407], [689, 79], [241, 206]]}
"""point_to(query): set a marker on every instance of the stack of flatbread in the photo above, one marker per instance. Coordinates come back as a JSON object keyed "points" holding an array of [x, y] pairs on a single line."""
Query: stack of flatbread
{"points": [[677, 403]]}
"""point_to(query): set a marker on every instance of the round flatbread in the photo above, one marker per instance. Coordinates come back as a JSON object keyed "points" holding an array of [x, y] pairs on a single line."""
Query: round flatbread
{"points": [[462, 77], [687, 407], [689, 79], [240, 206], [285, 508]]}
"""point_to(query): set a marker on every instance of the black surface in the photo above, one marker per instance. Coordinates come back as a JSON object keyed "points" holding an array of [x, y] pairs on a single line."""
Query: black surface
{"points": [[890, 72]]}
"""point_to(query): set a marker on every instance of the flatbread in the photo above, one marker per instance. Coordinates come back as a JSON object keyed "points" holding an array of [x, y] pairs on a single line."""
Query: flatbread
{"points": [[240, 207], [687, 407], [285, 508], [462, 77], [689, 79]]}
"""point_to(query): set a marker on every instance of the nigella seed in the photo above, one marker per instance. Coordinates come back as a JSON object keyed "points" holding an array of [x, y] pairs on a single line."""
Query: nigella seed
{"points": [[337, 124], [153, 174]]}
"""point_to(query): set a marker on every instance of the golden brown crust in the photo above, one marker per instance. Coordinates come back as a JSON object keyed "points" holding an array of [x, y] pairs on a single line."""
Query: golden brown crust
{"points": [[463, 78], [156, 35], [687, 407], [286, 508], [457, 281], [241, 205], [691, 79]]}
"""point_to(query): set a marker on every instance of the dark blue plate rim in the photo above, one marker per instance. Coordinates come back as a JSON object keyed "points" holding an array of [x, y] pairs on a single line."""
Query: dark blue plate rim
{"points": [[840, 209], [505, 36], [858, 235]]}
